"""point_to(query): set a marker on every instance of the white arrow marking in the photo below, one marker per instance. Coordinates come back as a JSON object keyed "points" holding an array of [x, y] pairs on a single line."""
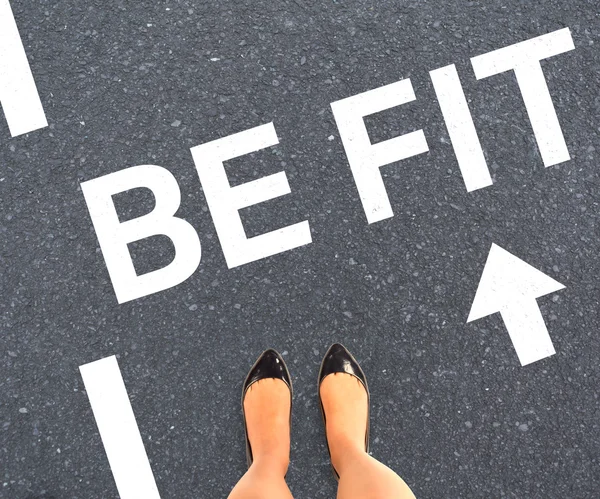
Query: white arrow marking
{"points": [[510, 286]]}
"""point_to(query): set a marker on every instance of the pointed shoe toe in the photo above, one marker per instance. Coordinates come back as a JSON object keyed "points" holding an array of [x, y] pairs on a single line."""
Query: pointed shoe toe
{"points": [[339, 360], [270, 364]]}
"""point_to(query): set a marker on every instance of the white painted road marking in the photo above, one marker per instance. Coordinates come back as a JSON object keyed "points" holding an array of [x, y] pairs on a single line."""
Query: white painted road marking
{"points": [[225, 202], [18, 94], [365, 158], [118, 429], [114, 236], [461, 128], [524, 59], [510, 286]]}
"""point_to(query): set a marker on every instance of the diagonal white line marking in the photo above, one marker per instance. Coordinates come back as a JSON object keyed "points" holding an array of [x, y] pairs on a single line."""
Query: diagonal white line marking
{"points": [[18, 94], [118, 429]]}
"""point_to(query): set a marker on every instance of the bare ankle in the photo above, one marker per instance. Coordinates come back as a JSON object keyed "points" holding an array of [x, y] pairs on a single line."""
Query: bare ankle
{"points": [[344, 451], [271, 462]]}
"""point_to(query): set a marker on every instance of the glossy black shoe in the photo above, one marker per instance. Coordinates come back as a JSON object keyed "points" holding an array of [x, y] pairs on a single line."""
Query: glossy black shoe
{"points": [[339, 360], [270, 364]]}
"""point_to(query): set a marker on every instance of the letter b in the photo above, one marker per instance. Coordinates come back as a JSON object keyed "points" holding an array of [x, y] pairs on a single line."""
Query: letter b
{"points": [[114, 236]]}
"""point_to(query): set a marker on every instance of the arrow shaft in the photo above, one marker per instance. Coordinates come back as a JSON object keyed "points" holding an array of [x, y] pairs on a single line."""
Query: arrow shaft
{"points": [[527, 331]]}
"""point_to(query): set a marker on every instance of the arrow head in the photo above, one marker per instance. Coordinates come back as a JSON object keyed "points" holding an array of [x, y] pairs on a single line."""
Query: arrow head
{"points": [[506, 280]]}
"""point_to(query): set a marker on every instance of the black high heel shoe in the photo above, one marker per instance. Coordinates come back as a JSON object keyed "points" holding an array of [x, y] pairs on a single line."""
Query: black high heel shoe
{"points": [[339, 360], [269, 364]]}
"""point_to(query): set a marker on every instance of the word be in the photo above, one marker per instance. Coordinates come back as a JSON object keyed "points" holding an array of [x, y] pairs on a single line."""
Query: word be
{"points": [[365, 160]]}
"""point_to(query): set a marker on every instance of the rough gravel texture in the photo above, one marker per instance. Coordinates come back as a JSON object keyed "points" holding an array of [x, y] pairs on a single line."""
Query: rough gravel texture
{"points": [[453, 412]]}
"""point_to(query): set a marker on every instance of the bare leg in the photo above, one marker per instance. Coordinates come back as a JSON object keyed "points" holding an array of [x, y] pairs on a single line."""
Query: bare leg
{"points": [[361, 476], [267, 405]]}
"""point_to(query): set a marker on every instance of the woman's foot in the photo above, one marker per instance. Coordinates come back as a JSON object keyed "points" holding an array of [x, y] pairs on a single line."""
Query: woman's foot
{"points": [[267, 406], [346, 406]]}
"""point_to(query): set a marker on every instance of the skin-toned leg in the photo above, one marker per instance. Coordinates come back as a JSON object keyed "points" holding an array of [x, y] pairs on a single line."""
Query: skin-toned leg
{"points": [[267, 405], [361, 476]]}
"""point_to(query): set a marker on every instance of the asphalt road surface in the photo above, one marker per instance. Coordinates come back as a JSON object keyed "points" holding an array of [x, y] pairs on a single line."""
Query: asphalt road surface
{"points": [[453, 410]]}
